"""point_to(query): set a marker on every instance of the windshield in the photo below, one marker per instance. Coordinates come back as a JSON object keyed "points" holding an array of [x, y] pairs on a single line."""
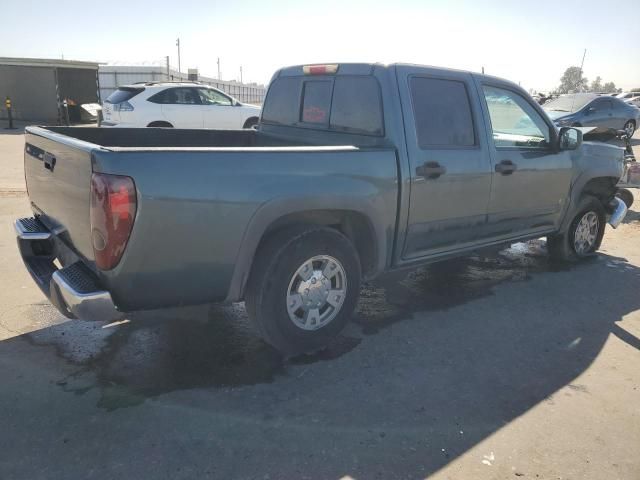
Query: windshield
{"points": [[567, 103]]}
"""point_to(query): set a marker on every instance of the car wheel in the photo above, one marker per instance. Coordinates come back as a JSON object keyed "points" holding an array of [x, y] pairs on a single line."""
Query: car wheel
{"points": [[160, 124], [303, 288], [630, 128], [584, 235], [626, 196], [251, 123]]}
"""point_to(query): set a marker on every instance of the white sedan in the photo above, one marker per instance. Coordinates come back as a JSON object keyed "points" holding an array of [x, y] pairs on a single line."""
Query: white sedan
{"points": [[178, 105]]}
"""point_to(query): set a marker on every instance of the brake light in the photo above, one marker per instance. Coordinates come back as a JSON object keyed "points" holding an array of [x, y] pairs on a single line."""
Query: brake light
{"points": [[113, 210], [320, 69], [123, 107]]}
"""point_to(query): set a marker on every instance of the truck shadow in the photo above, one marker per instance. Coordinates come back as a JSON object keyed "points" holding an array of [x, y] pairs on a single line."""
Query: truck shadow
{"points": [[455, 366]]}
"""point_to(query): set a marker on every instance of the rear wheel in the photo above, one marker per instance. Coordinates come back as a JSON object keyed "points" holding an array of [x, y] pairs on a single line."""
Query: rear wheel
{"points": [[585, 232], [630, 128], [160, 124], [303, 288]]}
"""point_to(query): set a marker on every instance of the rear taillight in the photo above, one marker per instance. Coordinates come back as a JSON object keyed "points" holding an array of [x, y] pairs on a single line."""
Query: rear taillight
{"points": [[113, 210], [123, 107]]}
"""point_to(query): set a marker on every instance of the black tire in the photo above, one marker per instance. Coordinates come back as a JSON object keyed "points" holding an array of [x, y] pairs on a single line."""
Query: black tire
{"points": [[630, 127], [277, 261], [160, 124], [561, 246], [251, 122], [626, 196]]}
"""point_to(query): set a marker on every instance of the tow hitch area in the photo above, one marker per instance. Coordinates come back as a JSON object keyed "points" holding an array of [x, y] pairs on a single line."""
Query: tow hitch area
{"points": [[73, 289]]}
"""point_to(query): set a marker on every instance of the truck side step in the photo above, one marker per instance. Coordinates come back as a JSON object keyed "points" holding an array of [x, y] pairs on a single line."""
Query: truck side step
{"points": [[31, 229]]}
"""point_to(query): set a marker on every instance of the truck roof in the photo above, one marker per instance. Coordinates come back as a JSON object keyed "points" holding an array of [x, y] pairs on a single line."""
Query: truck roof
{"points": [[367, 69]]}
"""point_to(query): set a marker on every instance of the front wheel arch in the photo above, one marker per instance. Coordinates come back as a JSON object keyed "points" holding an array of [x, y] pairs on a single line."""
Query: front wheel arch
{"points": [[251, 122]]}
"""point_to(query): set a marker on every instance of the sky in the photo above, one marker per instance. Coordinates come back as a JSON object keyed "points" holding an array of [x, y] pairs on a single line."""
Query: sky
{"points": [[531, 42]]}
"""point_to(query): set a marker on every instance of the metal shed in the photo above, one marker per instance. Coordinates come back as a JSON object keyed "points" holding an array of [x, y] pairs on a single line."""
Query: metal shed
{"points": [[37, 87]]}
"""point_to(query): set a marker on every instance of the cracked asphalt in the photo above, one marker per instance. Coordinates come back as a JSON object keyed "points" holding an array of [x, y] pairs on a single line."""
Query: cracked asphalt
{"points": [[494, 366]]}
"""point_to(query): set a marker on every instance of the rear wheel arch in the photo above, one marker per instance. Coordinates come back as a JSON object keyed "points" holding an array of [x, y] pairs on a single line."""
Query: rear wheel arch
{"points": [[368, 240]]}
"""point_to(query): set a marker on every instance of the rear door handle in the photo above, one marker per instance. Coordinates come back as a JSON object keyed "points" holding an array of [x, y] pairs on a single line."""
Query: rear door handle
{"points": [[49, 161], [506, 167], [430, 170]]}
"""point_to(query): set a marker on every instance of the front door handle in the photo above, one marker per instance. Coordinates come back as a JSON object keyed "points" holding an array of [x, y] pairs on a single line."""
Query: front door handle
{"points": [[430, 170], [506, 167]]}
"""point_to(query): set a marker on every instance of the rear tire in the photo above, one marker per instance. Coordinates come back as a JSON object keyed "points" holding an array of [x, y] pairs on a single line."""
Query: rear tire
{"points": [[251, 122], [293, 314], [584, 235], [160, 124]]}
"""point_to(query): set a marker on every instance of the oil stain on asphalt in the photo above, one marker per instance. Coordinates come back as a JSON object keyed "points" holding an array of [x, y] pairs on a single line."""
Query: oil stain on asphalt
{"points": [[204, 347]]}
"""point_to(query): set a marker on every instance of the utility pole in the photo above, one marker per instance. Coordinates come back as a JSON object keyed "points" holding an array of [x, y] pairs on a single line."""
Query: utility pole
{"points": [[178, 45], [240, 73], [168, 70], [582, 65], [219, 69]]}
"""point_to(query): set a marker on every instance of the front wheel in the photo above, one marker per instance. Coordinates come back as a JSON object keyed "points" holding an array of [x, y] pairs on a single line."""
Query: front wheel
{"points": [[303, 288], [584, 235], [630, 128]]}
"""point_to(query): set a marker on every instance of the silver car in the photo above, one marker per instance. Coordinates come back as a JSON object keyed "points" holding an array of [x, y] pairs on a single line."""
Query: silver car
{"points": [[593, 110]]}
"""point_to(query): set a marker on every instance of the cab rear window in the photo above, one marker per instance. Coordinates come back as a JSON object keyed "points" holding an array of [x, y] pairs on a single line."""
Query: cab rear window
{"points": [[349, 103], [123, 94]]}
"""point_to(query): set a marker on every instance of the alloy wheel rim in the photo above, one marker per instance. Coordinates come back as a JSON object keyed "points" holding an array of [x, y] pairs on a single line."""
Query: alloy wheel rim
{"points": [[629, 128], [316, 292], [586, 233]]}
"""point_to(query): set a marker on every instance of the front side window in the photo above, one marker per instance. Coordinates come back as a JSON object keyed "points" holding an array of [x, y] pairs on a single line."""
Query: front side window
{"points": [[177, 96], [601, 105], [442, 113], [209, 96], [316, 102], [514, 122]]}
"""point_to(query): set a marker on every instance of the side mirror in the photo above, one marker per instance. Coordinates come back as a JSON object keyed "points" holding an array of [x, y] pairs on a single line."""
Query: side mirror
{"points": [[569, 138]]}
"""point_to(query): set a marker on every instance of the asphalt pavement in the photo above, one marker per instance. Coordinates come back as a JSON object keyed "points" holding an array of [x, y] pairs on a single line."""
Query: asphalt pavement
{"points": [[490, 367]]}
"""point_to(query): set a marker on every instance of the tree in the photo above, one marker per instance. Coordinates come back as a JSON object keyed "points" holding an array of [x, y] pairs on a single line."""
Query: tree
{"points": [[609, 87], [596, 85], [572, 81]]}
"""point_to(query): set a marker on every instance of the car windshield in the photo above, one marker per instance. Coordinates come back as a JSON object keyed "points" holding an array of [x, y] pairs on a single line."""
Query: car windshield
{"points": [[567, 103]]}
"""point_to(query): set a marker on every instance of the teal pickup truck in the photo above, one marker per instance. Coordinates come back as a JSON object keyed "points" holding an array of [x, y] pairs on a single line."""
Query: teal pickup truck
{"points": [[353, 171]]}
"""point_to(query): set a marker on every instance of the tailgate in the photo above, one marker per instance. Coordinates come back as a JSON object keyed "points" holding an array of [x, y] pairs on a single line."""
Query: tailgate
{"points": [[58, 176]]}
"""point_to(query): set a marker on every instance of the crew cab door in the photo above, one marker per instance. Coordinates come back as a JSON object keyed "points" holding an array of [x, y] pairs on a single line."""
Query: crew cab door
{"points": [[218, 110], [599, 113], [531, 178], [449, 162]]}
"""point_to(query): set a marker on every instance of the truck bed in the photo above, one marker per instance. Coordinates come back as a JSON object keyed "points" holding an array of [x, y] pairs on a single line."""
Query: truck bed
{"points": [[198, 194]]}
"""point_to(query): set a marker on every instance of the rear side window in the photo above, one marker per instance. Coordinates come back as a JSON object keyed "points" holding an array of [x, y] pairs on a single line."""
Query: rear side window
{"points": [[316, 102], [345, 103], [282, 103], [356, 105], [442, 113], [123, 94]]}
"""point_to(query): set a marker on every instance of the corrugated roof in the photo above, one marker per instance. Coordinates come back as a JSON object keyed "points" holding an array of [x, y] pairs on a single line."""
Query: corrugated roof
{"points": [[48, 62]]}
